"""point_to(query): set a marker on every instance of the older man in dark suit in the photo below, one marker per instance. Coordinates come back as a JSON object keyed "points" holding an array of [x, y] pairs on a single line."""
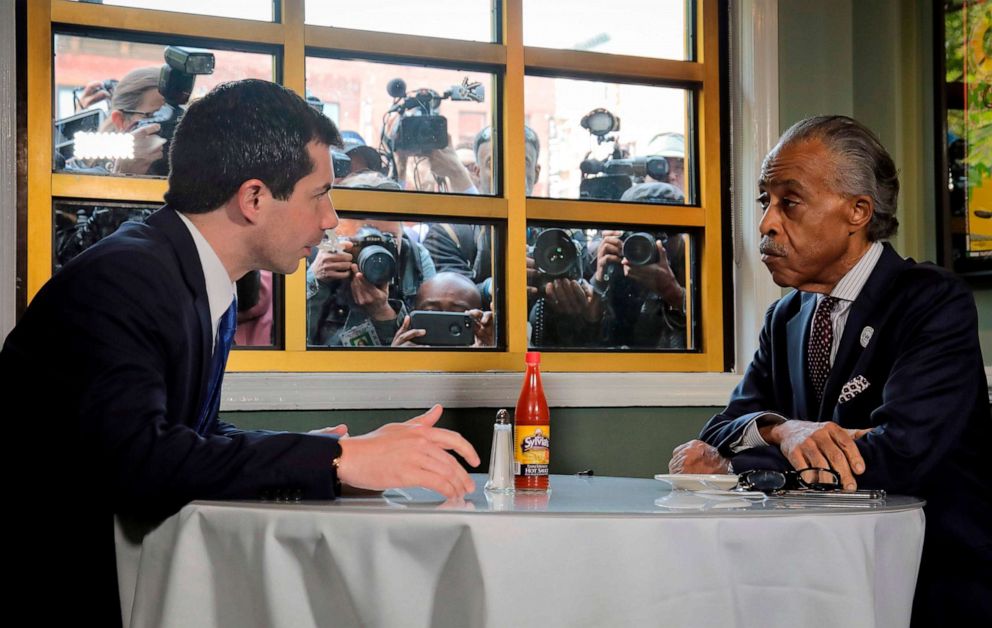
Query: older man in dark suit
{"points": [[120, 356], [871, 367]]}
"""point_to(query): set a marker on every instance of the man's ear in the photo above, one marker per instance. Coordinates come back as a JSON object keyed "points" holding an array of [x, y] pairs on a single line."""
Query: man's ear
{"points": [[250, 197], [117, 117], [861, 210]]}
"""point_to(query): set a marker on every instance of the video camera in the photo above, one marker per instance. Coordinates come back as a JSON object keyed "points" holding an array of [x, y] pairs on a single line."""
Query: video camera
{"points": [[421, 128], [609, 178], [175, 83]]}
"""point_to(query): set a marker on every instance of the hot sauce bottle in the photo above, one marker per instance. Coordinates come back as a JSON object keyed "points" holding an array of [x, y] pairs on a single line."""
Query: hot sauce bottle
{"points": [[532, 431]]}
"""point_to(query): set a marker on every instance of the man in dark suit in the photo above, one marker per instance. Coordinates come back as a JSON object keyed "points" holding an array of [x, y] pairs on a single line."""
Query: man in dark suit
{"points": [[871, 367], [118, 358]]}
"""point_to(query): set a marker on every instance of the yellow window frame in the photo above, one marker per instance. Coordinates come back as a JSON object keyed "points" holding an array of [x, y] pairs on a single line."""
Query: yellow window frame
{"points": [[295, 39]]}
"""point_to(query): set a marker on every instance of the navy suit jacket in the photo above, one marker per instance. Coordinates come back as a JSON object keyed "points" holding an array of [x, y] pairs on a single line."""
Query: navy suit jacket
{"points": [[912, 334], [111, 358]]}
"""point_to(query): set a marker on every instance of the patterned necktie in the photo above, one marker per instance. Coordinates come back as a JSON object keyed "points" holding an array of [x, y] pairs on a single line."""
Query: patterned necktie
{"points": [[821, 339], [225, 337]]}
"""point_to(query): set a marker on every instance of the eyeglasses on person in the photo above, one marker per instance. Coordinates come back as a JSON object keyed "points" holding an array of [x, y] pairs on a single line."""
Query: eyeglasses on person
{"points": [[771, 481]]}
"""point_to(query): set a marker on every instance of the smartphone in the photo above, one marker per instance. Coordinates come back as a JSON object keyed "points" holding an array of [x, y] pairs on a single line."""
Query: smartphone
{"points": [[444, 329]]}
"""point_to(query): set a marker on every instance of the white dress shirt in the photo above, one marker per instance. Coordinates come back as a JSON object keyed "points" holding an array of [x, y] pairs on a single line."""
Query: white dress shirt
{"points": [[220, 289]]}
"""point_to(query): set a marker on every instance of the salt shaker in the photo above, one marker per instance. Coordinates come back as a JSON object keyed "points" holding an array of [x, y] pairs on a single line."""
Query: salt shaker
{"points": [[501, 456]]}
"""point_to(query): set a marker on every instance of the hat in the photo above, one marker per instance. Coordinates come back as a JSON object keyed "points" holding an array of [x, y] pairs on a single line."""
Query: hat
{"points": [[654, 192], [355, 146], [667, 145]]}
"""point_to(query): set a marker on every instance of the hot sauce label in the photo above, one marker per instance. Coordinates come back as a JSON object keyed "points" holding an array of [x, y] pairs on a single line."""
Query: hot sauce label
{"points": [[533, 445]]}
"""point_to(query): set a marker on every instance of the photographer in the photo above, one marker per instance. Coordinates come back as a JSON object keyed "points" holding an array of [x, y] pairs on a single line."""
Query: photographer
{"points": [[449, 292], [344, 307], [467, 249], [135, 98], [643, 303]]}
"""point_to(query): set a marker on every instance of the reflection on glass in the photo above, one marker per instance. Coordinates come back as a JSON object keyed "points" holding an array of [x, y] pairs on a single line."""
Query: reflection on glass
{"points": [[646, 28], [466, 19], [389, 283], [108, 93], [611, 288], [78, 226], [261, 10], [599, 139], [417, 125]]}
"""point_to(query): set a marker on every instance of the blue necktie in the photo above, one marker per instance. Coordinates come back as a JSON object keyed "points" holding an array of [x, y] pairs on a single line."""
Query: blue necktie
{"points": [[225, 337]]}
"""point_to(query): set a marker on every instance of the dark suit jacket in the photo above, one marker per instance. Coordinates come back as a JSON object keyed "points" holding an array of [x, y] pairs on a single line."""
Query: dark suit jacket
{"points": [[927, 400], [111, 358]]}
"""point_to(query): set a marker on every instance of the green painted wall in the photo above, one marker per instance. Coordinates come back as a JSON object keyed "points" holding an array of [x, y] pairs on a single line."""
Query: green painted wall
{"points": [[632, 442]]}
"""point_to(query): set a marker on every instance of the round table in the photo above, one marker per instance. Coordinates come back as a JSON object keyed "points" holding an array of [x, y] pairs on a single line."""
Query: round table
{"points": [[595, 551]]}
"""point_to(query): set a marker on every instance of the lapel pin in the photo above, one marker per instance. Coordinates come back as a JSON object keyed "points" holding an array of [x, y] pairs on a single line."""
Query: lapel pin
{"points": [[866, 335]]}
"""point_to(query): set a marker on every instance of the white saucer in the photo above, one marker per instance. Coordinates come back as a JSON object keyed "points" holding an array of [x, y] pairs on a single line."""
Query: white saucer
{"points": [[698, 482]]}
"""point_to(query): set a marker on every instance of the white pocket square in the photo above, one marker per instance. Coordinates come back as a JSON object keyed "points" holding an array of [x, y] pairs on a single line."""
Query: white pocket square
{"points": [[853, 388]]}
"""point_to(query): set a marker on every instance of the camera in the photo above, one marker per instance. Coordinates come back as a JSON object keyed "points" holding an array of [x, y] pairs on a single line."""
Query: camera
{"points": [[79, 230], [376, 254], [610, 177], [557, 255], [421, 128], [638, 248], [175, 83]]}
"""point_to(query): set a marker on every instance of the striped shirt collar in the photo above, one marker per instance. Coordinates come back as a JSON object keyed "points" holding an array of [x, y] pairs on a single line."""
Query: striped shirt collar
{"points": [[850, 285]]}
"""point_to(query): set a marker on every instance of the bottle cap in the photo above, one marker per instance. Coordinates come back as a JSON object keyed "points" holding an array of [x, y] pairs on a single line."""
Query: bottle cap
{"points": [[533, 357]]}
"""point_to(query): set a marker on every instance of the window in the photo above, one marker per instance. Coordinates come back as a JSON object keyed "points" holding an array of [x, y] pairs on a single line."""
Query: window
{"points": [[507, 134]]}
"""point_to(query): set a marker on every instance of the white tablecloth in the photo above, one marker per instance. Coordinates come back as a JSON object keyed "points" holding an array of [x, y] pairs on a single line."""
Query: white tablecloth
{"points": [[618, 560]]}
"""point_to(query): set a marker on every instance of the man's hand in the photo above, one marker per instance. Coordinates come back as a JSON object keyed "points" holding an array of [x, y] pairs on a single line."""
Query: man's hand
{"points": [[570, 298], [328, 267], [404, 335], [824, 445], [610, 251], [414, 453], [532, 274], [483, 328], [147, 150], [657, 277], [92, 94], [338, 430], [697, 457], [370, 297], [445, 163]]}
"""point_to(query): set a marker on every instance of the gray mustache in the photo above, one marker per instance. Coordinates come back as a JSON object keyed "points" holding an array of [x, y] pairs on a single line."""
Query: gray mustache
{"points": [[770, 247]]}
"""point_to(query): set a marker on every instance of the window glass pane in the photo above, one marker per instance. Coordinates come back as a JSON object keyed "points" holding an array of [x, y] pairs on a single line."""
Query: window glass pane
{"points": [[423, 139], [110, 89], [262, 10], [371, 273], [596, 287], [466, 19], [79, 226], [599, 139], [646, 28]]}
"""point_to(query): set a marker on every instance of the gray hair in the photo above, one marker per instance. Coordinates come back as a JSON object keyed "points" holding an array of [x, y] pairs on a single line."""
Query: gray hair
{"points": [[862, 165]]}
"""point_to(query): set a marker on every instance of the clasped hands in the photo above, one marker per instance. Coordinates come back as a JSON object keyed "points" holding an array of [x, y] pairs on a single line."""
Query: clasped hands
{"points": [[805, 444]]}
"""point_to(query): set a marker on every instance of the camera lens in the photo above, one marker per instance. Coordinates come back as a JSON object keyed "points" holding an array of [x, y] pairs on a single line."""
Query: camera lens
{"points": [[554, 253], [377, 264], [455, 329], [639, 249]]}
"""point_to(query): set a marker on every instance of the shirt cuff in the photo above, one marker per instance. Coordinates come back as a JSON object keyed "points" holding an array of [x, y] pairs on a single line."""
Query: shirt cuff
{"points": [[751, 437]]}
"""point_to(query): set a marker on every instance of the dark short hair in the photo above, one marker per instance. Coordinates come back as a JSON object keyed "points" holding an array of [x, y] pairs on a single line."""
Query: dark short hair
{"points": [[863, 166], [243, 130]]}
